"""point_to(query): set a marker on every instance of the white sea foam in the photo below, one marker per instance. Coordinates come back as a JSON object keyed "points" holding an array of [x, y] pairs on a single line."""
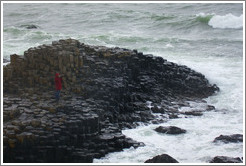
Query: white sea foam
{"points": [[195, 146], [226, 21]]}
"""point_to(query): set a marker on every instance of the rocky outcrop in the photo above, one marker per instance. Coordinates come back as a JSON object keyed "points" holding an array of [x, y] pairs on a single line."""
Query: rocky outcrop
{"points": [[229, 138], [170, 130], [104, 91], [164, 158], [225, 159]]}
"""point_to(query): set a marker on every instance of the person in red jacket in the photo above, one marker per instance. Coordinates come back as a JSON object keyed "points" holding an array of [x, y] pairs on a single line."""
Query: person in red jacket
{"points": [[58, 83]]}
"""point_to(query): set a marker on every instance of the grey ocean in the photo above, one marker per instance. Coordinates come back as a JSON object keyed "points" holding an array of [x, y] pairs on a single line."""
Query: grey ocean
{"points": [[207, 37]]}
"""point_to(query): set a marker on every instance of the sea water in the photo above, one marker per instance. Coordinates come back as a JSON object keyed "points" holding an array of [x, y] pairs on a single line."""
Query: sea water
{"points": [[207, 37]]}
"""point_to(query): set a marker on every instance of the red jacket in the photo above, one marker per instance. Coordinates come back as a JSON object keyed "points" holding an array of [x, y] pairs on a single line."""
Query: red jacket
{"points": [[58, 82]]}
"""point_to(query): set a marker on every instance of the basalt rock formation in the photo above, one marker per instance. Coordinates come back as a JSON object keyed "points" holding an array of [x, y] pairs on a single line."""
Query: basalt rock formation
{"points": [[104, 91]]}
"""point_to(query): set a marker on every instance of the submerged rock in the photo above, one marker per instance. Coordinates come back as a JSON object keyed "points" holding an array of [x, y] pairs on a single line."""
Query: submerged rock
{"points": [[30, 26], [225, 159], [164, 158], [229, 138], [170, 130]]}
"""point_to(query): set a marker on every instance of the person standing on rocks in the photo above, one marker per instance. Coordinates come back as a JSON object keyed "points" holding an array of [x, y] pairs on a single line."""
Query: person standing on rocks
{"points": [[58, 83]]}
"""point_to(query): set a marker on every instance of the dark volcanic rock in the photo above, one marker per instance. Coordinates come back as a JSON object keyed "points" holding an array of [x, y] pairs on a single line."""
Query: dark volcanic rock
{"points": [[104, 91], [225, 159], [229, 138], [170, 130], [164, 158]]}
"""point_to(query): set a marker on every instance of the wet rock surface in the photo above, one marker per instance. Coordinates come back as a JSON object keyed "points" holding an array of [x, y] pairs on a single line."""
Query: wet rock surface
{"points": [[225, 159], [164, 158], [104, 91]]}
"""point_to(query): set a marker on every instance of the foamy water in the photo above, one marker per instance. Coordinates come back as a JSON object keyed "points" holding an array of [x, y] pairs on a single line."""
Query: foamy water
{"points": [[195, 146]]}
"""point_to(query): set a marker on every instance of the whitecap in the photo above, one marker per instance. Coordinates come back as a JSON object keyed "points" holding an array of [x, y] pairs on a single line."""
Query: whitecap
{"points": [[226, 21], [169, 45]]}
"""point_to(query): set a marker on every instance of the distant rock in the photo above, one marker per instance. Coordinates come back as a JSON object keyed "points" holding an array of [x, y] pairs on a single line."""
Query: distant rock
{"points": [[170, 130], [164, 158], [229, 138], [29, 26], [5, 60], [225, 159]]}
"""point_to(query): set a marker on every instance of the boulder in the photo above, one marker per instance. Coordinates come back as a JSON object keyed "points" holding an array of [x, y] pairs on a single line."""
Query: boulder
{"points": [[225, 159], [169, 130], [229, 138], [164, 158]]}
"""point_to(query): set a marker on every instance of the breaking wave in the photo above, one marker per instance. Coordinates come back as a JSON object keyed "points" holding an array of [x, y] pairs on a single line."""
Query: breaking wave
{"points": [[204, 18], [228, 21]]}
